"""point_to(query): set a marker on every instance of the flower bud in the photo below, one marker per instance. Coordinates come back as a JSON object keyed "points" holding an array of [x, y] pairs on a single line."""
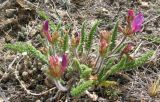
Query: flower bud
{"points": [[104, 42], [55, 36], [75, 39], [45, 30], [130, 16], [128, 48]]}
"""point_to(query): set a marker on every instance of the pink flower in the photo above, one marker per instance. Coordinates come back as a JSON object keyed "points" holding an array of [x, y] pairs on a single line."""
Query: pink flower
{"points": [[134, 23], [58, 65], [46, 30], [137, 23]]}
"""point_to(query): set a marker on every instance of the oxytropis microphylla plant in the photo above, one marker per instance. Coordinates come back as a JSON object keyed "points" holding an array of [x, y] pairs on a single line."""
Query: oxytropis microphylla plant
{"points": [[57, 64], [70, 52]]}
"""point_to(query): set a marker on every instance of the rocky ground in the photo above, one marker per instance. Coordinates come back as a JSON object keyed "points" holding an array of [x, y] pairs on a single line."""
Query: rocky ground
{"points": [[20, 21]]}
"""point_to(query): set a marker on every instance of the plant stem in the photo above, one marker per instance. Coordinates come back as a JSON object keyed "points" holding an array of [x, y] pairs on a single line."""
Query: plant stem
{"points": [[98, 68], [97, 61], [59, 85], [113, 51]]}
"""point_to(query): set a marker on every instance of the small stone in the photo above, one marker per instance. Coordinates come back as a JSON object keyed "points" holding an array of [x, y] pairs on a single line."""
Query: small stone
{"points": [[5, 76], [39, 64], [24, 53], [1, 99], [25, 74], [30, 71], [145, 5], [148, 30], [38, 100], [1, 73], [34, 69]]}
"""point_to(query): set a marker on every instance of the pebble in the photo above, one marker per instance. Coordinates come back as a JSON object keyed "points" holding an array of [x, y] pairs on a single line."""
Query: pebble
{"points": [[1, 73], [38, 100], [149, 30], [145, 5], [25, 74], [30, 71], [5, 76]]}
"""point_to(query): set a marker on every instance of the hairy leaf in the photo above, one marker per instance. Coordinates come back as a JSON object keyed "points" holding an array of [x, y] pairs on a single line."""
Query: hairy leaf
{"points": [[107, 66], [27, 47], [114, 36], [83, 36], [65, 45], [91, 35], [117, 67], [139, 61], [81, 88], [85, 71]]}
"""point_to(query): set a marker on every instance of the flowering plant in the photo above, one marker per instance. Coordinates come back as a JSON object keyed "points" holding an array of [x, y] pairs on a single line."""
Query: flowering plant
{"points": [[69, 51]]}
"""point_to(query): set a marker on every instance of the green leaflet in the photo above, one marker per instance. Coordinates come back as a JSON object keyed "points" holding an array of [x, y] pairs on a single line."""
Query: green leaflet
{"points": [[65, 45], [43, 15], [114, 36], [27, 47], [83, 36], [85, 71], [108, 83], [107, 66], [91, 36], [78, 90], [117, 67], [152, 38], [76, 64], [139, 61]]}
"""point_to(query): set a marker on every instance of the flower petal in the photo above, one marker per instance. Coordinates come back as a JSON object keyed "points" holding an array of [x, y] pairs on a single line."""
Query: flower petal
{"points": [[46, 30], [137, 23], [131, 13], [46, 26], [64, 62]]}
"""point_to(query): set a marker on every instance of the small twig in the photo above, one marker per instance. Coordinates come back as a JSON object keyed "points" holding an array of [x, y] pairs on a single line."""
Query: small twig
{"points": [[56, 95], [97, 61], [55, 8], [9, 67], [59, 85], [5, 4], [23, 84], [113, 51], [99, 67], [135, 52], [93, 96]]}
